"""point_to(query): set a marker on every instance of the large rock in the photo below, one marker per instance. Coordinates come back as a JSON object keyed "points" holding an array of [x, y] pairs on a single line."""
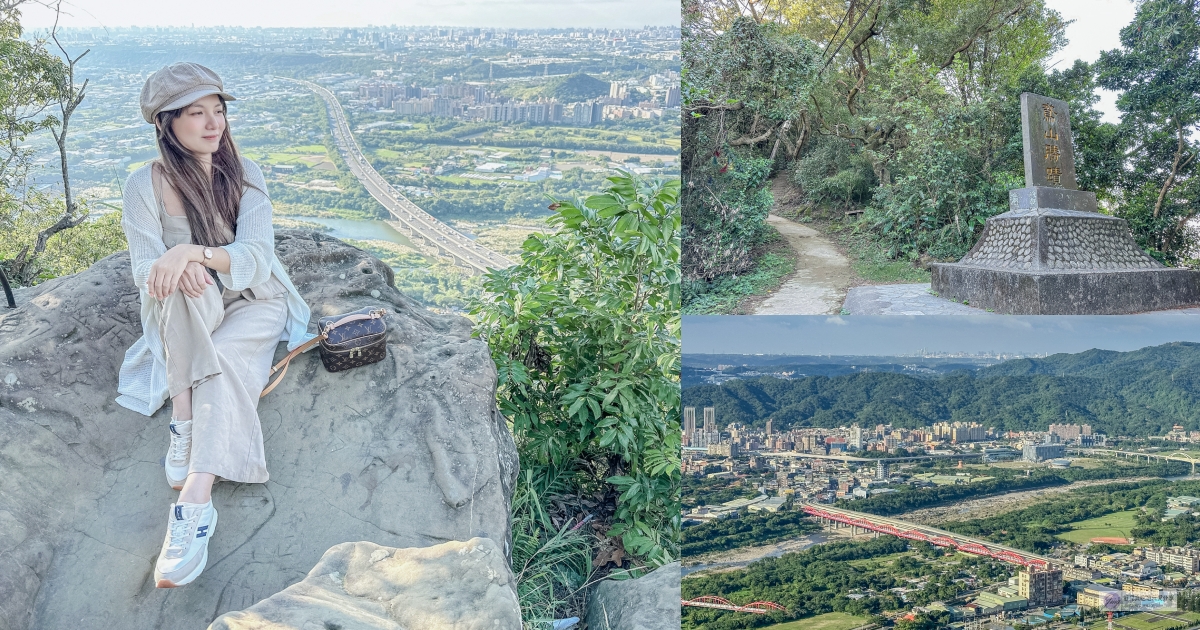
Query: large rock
{"points": [[650, 602], [408, 452], [364, 586]]}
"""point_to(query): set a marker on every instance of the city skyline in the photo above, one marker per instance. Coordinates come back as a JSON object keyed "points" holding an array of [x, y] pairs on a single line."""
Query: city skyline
{"points": [[895, 335]]}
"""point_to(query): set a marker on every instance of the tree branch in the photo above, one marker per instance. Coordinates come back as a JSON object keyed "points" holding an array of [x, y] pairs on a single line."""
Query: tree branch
{"points": [[1175, 166], [783, 129], [752, 140]]}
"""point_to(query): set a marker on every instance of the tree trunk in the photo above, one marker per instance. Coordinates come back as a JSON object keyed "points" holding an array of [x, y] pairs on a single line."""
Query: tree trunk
{"points": [[1175, 168]]}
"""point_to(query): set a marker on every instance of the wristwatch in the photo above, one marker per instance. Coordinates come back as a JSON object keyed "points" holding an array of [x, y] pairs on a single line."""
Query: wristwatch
{"points": [[207, 256]]}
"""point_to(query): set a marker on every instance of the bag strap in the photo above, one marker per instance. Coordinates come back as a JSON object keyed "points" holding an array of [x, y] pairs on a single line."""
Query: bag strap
{"points": [[286, 360], [351, 318], [379, 312]]}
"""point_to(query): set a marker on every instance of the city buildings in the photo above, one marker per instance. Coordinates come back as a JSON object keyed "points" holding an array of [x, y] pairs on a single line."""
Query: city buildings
{"points": [[1042, 452], [1041, 588]]}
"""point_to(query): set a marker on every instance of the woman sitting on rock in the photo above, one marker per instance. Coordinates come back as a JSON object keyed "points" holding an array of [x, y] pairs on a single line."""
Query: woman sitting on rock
{"points": [[215, 303]]}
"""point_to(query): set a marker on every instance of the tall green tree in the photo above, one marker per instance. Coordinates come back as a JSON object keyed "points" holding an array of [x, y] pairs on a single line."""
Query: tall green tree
{"points": [[1158, 71]]}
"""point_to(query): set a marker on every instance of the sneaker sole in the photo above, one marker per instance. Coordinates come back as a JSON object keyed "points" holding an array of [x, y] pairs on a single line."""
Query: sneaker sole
{"points": [[165, 583], [176, 484]]}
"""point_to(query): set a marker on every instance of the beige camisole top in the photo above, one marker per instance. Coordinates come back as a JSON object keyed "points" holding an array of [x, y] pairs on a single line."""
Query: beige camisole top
{"points": [[176, 230]]}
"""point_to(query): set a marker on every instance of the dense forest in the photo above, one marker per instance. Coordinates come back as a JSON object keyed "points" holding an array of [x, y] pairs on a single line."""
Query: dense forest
{"points": [[1139, 393], [898, 122]]}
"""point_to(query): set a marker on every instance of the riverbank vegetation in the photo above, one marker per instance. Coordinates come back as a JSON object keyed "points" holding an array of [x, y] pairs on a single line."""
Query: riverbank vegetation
{"points": [[749, 530], [1038, 528], [855, 577], [908, 498]]}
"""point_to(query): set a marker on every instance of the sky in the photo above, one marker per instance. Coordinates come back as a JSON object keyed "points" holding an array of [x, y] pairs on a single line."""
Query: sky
{"points": [[315, 13], [1097, 26], [892, 335]]}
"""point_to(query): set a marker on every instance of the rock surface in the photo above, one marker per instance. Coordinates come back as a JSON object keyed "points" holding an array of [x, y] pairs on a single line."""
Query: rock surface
{"points": [[407, 452], [650, 602], [361, 585]]}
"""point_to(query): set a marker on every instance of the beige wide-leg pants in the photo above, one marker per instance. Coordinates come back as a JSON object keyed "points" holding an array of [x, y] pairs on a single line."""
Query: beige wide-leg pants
{"points": [[220, 345]]}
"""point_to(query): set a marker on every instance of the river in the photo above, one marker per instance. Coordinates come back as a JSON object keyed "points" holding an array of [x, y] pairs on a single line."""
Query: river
{"points": [[374, 230], [754, 554]]}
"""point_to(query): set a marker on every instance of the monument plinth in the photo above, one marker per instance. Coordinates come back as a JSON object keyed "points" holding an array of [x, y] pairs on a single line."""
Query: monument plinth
{"points": [[1052, 253]]}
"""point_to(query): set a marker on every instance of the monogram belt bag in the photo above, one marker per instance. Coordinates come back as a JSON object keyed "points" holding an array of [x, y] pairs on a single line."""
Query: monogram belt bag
{"points": [[347, 341]]}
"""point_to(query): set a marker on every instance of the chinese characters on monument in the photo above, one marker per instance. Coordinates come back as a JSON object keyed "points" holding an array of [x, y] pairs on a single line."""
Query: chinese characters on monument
{"points": [[1046, 127], [1053, 171]]}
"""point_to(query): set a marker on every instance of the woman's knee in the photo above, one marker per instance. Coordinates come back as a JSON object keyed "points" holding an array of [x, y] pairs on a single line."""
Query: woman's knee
{"points": [[206, 309], [210, 292]]}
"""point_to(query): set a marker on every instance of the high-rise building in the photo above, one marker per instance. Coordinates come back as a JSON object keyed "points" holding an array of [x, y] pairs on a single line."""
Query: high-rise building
{"points": [[710, 420], [672, 99], [443, 107], [1070, 432], [1041, 588], [967, 433], [689, 422], [856, 436], [770, 427], [616, 89]]}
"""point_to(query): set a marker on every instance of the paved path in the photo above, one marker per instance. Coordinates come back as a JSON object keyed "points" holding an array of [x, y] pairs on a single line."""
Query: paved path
{"points": [[903, 299], [915, 299], [822, 274]]}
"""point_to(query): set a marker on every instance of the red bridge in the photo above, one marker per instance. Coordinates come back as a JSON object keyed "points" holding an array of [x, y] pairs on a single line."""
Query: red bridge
{"points": [[933, 536], [712, 601]]}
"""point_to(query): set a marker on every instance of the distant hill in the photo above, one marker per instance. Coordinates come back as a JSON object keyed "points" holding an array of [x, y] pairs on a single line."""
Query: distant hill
{"points": [[1137, 393], [575, 87]]}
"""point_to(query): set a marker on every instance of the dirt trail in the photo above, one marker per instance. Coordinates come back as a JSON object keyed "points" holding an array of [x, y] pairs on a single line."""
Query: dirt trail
{"points": [[822, 276], [1000, 504]]}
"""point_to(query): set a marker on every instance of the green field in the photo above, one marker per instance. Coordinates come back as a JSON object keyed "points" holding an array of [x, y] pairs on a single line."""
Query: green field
{"points": [[1151, 621], [1116, 524], [828, 621]]}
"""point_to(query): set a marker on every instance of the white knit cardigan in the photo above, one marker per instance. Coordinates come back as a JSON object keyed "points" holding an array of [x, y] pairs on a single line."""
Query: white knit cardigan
{"points": [[142, 384]]}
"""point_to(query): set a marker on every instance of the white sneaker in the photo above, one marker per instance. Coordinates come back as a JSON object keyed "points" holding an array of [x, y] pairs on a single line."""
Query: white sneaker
{"points": [[185, 550], [178, 454]]}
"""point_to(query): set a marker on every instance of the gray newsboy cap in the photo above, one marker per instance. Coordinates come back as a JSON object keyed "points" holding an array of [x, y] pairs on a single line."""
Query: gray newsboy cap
{"points": [[178, 85]]}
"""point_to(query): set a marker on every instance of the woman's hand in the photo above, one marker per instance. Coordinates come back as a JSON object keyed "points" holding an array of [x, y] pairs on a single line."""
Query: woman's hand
{"points": [[166, 272], [195, 279]]}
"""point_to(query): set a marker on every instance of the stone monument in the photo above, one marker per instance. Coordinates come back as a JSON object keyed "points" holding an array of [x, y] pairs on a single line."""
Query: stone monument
{"points": [[1052, 253]]}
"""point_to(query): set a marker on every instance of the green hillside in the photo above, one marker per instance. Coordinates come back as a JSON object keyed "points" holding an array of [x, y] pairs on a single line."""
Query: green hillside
{"points": [[1137, 393], [576, 87]]}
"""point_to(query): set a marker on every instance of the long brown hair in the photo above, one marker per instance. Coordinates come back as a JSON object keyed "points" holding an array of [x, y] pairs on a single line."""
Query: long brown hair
{"points": [[209, 202]]}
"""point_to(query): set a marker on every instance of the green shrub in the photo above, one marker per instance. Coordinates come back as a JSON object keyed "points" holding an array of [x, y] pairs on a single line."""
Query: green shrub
{"points": [[585, 332]]}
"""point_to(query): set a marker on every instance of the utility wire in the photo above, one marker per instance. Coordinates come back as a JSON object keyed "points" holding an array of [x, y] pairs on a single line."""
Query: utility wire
{"points": [[838, 30], [848, 34]]}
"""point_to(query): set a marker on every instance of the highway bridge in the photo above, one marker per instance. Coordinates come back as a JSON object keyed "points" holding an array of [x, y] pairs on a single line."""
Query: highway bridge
{"points": [[869, 522], [1185, 457], [985, 454], [422, 227]]}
